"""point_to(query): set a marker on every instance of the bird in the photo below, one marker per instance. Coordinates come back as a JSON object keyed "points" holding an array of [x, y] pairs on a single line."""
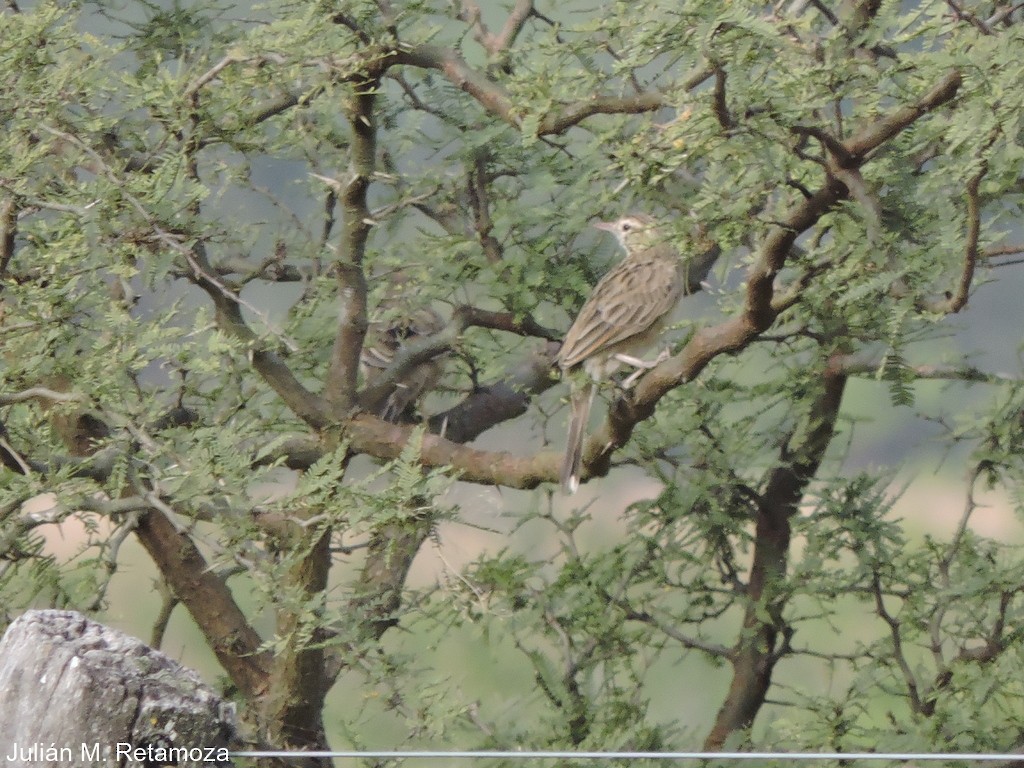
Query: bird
{"points": [[400, 323], [623, 316]]}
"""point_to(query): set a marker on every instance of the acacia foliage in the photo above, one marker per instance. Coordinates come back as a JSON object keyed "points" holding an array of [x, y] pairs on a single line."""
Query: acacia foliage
{"points": [[201, 205]]}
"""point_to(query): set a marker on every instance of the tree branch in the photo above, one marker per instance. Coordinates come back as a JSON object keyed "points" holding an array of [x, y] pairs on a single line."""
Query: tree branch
{"points": [[913, 692], [754, 656], [39, 393], [306, 405], [958, 300], [8, 232], [715, 650], [880, 131], [271, 269], [423, 350], [377, 594], [299, 683], [208, 599], [493, 97], [480, 203], [496, 100], [501, 401], [961, 15], [720, 104], [560, 121], [368, 434], [854, 367], [343, 371], [517, 18], [996, 251], [496, 44], [488, 406]]}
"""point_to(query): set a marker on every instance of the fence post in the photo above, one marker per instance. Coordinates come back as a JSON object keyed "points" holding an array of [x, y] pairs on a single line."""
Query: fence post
{"points": [[77, 693]]}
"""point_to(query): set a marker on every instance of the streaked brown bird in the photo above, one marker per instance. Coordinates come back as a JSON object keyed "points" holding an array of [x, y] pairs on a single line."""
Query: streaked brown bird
{"points": [[623, 317], [399, 325]]}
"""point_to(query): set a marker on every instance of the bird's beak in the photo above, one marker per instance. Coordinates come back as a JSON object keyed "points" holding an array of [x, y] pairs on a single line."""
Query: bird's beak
{"points": [[607, 226]]}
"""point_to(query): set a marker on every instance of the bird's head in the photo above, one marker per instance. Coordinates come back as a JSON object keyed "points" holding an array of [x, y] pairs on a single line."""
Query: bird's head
{"points": [[637, 231]]}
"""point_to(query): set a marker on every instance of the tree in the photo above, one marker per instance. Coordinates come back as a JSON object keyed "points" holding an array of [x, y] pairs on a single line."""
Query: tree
{"points": [[203, 207]]}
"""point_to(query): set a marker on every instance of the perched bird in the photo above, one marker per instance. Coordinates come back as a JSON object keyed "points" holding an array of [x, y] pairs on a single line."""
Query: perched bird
{"points": [[622, 318], [399, 325]]}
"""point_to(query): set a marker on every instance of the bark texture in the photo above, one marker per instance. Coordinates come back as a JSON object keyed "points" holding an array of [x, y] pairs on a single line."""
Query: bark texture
{"points": [[67, 682]]}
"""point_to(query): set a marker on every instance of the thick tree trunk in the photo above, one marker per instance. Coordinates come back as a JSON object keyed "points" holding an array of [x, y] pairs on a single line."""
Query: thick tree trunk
{"points": [[76, 693]]}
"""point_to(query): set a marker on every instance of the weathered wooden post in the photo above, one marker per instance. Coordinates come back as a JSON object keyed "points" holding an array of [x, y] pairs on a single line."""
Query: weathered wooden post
{"points": [[76, 693]]}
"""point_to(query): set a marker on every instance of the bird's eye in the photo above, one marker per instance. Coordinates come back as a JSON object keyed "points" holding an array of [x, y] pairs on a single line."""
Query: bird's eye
{"points": [[626, 226]]}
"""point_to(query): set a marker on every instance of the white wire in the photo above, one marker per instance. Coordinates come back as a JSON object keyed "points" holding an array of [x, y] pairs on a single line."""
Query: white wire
{"points": [[566, 755]]}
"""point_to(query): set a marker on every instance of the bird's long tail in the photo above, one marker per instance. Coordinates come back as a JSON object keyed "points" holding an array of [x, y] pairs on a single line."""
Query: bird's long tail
{"points": [[580, 401]]}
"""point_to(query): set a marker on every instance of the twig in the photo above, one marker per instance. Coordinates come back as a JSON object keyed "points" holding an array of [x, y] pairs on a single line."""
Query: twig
{"points": [[39, 393], [897, 644], [721, 105], [210, 74]]}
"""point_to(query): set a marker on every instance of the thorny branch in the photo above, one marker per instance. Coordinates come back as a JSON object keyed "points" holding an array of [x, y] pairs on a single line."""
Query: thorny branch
{"points": [[721, 104], [896, 637], [343, 369], [8, 232], [496, 43], [477, 183], [959, 299], [858, 367]]}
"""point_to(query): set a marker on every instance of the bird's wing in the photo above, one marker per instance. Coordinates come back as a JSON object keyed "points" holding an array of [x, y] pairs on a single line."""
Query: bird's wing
{"points": [[378, 350], [627, 301]]}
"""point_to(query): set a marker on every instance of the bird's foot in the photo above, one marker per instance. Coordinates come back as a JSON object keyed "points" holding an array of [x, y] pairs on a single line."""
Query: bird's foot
{"points": [[642, 366]]}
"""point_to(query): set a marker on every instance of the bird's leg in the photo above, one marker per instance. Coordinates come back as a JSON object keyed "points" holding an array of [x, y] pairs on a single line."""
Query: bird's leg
{"points": [[642, 366]]}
